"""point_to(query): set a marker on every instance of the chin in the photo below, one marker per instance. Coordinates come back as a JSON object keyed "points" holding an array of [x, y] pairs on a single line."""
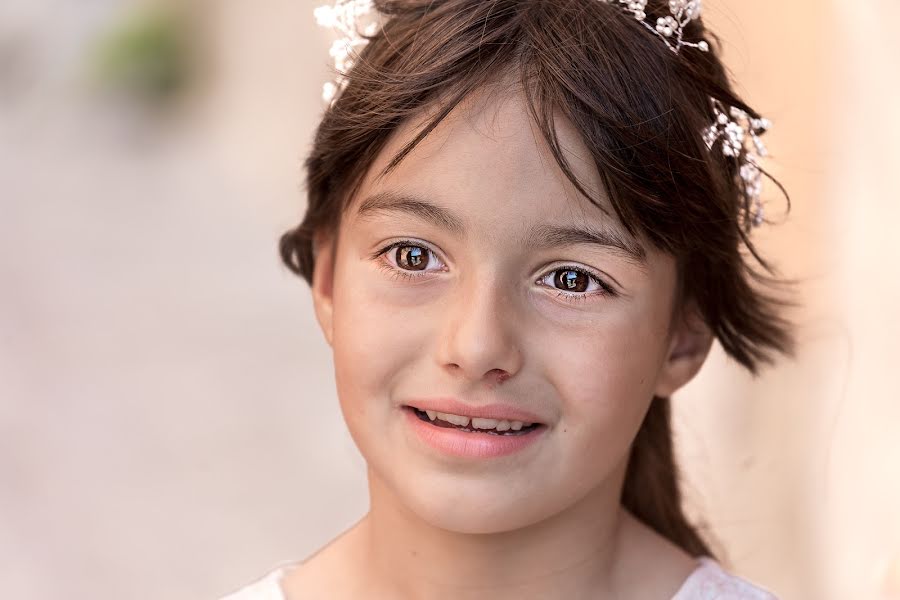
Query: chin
{"points": [[471, 521], [472, 507]]}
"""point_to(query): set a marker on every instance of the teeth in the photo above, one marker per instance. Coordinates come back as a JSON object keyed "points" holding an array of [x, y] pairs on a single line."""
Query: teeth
{"points": [[501, 425], [455, 419], [486, 423], [477, 422]]}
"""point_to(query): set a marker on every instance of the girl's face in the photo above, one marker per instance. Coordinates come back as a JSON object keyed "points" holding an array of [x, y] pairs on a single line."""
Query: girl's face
{"points": [[470, 272]]}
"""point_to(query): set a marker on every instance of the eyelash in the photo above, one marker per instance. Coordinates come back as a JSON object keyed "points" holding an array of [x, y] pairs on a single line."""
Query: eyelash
{"points": [[569, 297]]}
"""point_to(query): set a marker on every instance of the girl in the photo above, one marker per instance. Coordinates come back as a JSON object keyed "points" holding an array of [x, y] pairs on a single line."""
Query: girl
{"points": [[525, 229]]}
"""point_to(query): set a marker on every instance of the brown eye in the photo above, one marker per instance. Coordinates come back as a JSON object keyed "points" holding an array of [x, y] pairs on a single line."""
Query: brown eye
{"points": [[571, 281], [576, 284], [412, 258]]}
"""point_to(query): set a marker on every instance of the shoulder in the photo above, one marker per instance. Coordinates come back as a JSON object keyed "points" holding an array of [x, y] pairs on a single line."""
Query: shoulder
{"points": [[323, 574], [710, 582], [638, 544], [331, 571], [676, 574]]}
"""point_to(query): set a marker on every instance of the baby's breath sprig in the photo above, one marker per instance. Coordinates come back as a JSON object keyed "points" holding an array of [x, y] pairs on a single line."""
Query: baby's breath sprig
{"points": [[736, 127], [345, 17], [671, 27]]}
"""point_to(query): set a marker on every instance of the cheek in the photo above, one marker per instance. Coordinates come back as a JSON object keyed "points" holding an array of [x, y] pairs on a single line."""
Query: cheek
{"points": [[604, 377], [375, 340]]}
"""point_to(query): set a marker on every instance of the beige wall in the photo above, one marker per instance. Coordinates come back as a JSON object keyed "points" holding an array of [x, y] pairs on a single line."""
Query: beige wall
{"points": [[168, 423], [802, 481]]}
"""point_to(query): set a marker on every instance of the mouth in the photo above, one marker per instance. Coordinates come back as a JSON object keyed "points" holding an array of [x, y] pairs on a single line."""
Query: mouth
{"points": [[492, 427]]}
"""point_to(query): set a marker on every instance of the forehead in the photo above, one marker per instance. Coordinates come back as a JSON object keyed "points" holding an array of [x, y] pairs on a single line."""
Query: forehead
{"points": [[488, 163]]}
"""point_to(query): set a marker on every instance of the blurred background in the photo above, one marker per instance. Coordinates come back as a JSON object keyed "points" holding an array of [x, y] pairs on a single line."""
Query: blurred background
{"points": [[168, 421]]}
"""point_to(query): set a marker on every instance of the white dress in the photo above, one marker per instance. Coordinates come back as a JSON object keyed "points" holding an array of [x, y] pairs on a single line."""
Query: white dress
{"points": [[708, 582]]}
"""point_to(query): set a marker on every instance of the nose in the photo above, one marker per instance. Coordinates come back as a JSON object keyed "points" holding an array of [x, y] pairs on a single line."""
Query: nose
{"points": [[480, 335]]}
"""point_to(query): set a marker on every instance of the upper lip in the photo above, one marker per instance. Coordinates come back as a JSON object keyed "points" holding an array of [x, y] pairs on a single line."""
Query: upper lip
{"points": [[453, 406]]}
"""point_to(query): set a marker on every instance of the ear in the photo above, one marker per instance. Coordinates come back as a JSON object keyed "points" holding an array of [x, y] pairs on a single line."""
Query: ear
{"points": [[689, 346], [324, 249]]}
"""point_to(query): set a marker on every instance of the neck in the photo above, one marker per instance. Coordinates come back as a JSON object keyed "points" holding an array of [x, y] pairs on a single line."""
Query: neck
{"points": [[566, 555]]}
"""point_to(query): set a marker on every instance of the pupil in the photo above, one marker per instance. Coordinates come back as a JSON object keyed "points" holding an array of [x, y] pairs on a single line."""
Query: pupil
{"points": [[572, 280], [413, 256]]}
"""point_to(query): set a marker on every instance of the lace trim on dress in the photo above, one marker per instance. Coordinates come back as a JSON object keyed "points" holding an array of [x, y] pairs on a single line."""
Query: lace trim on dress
{"points": [[710, 582], [267, 587]]}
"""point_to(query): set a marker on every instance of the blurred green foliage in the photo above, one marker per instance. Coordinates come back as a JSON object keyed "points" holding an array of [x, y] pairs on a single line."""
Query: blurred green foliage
{"points": [[148, 54]]}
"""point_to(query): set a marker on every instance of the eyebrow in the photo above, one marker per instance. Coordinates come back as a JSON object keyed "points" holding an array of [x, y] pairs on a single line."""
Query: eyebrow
{"points": [[539, 236]]}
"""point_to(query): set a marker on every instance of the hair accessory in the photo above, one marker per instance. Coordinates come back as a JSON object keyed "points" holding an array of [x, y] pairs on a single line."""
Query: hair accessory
{"points": [[683, 12], [345, 16], [355, 21], [735, 126]]}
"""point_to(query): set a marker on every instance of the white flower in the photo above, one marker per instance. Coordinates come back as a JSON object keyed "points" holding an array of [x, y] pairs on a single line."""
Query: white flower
{"points": [[760, 147], [329, 90], [734, 139], [666, 25], [637, 8], [689, 9], [710, 135], [692, 10], [750, 174], [340, 50], [326, 16], [760, 124]]}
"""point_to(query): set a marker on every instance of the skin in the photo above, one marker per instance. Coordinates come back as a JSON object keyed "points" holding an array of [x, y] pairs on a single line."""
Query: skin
{"points": [[484, 322]]}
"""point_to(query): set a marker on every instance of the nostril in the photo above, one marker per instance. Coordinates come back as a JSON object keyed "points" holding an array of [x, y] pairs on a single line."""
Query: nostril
{"points": [[501, 375]]}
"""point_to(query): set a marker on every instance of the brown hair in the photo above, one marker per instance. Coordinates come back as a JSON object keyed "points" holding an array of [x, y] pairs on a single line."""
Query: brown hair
{"points": [[639, 108]]}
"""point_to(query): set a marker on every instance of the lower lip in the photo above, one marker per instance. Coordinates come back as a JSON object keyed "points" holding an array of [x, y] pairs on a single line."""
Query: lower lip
{"points": [[456, 442]]}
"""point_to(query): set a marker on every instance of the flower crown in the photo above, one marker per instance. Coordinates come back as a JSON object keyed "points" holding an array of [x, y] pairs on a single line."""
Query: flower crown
{"points": [[355, 21]]}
